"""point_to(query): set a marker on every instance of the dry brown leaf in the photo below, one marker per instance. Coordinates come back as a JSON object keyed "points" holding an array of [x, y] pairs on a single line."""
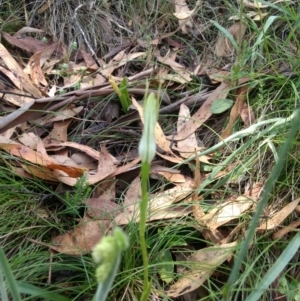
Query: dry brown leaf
{"points": [[223, 45], [170, 176], [208, 233], [160, 205], [106, 167], [247, 115], [39, 172], [27, 43], [84, 148], [191, 141], [19, 150], [64, 160], [197, 209], [119, 60], [160, 138], [84, 161], [88, 58], [203, 159], [241, 226], [92, 80], [227, 211], [35, 63], [102, 208], [22, 172], [8, 134], [27, 29], [256, 16], [70, 171], [169, 158], [203, 263], [131, 203], [14, 99], [235, 111], [183, 13], [21, 80], [34, 109], [45, 6], [218, 76], [29, 139], [171, 196], [278, 217], [254, 191], [127, 167], [232, 208], [38, 157], [174, 211], [162, 214], [202, 114], [182, 75], [290, 228], [82, 238], [254, 4], [59, 133], [133, 195]]}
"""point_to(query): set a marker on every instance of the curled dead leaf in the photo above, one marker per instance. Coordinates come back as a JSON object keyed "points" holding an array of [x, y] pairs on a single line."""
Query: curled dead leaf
{"points": [[82, 238], [278, 217], [202, 263]]}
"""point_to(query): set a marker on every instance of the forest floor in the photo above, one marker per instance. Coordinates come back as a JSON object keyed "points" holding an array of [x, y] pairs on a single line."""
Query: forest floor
{"points": [[223, 214]]}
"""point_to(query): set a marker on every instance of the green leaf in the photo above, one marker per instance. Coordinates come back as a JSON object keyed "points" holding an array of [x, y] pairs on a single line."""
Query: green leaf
{"points": [[124, 97], [10, 279], [34, 291], [279, 265], [262, 34], [175, 240], [166, 266], [221, 105]]}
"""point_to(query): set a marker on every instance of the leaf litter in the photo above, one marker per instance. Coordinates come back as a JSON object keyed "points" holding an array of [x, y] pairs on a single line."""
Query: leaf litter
{"points": [[44, 111]]}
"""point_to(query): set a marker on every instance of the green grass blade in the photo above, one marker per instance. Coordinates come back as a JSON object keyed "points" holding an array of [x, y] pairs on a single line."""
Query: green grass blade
{"points": [[295, 124], [264, 30], [124, 97], [292, 32], [9, 277], [34, 291], [4, 296], [279, 8], [276, 269], [227, 34]]}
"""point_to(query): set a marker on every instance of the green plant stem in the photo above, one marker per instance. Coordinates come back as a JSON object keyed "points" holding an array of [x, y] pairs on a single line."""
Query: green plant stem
{"points": [[143, 218], [238, 64], [255, 128], [9, 277], [295, 124], [280, 264], [3, 292]]}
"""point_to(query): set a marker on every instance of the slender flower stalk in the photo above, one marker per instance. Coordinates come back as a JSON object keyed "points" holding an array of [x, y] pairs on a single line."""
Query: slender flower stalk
{"points": [[147, 150]]}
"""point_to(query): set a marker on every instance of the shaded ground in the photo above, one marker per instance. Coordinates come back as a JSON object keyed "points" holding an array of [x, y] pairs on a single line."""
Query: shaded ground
{"points": [[63, 79]]}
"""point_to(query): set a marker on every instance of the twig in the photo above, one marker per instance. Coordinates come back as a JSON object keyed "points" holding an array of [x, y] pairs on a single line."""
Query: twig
{"points": [[117, 50], [15, 93], [195, 100]]}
